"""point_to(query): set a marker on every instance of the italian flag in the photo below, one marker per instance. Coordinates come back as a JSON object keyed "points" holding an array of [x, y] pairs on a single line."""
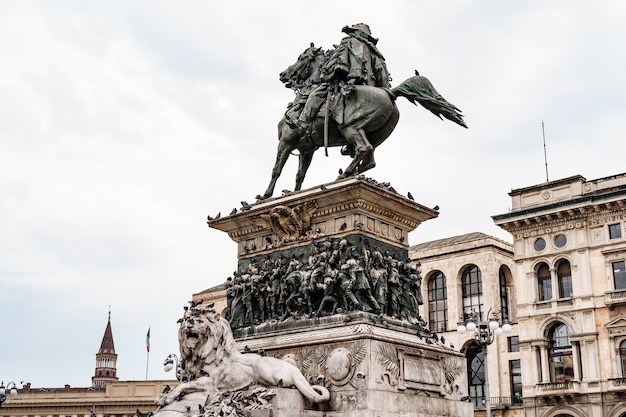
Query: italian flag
{"points": [[148, 340]]}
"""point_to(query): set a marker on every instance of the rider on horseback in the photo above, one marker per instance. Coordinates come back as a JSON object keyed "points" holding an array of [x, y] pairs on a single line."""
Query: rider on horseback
{"points": [[355, 61], [361, 109]]}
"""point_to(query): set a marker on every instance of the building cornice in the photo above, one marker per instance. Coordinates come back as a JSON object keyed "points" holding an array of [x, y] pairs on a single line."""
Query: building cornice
{"points": [[571, 211]]}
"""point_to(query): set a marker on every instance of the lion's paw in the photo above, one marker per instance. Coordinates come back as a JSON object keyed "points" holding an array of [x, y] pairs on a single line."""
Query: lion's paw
{"points": [[163, 400]]}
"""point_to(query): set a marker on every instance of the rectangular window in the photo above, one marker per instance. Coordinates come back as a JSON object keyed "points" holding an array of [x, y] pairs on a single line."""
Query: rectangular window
{"points": [[545, 289], [565, 287], [438, 316], [515, 369], [513, 342], [619, 275], [615, 231], [504, 294], [622, 355], [561, 367], [564, 275]]}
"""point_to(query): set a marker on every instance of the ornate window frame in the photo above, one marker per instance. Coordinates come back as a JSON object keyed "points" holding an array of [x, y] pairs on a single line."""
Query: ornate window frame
{"points": [[617, 336]]}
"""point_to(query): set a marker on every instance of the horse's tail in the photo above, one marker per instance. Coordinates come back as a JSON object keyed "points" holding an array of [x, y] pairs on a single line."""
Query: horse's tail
{"points": [[419, 89]]}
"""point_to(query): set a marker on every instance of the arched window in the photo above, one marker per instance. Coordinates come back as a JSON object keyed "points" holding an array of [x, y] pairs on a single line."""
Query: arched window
{"points": [[504, 294], [472, 291], [437, 303], [544, 282], [560, 354], [564, 275], [476, 374], [622, 356]]}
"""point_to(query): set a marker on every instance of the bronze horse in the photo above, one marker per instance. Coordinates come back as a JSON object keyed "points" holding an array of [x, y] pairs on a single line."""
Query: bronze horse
{"points": [[369, 116]]}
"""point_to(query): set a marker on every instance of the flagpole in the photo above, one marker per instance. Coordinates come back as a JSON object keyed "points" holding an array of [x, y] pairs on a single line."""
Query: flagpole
{"points": [[147, 351]]}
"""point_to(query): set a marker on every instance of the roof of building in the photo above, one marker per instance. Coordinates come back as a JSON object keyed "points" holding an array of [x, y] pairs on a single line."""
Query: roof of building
{"points": [[107, 345], [219, 287], [469, 237], [598, 191]]}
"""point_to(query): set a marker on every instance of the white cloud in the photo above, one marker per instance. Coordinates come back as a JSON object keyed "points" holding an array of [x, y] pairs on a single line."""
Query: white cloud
{"points": [[123, 125]]}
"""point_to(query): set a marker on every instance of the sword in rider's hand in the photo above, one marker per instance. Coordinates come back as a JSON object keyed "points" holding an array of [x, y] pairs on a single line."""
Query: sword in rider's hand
{"points": [[329, 100], [330, 106]]}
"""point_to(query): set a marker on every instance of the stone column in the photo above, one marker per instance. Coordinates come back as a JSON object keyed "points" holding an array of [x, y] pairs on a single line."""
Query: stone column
{"points": [[545, 368], [595, 406], [576, 360], [614, 352], [555, 285], [529, 356], [590, 350]]}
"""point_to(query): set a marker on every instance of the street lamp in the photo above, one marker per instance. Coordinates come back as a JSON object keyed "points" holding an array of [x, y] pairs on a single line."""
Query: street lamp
{"points": [[171, 361], [11, 388], [484, 333]]}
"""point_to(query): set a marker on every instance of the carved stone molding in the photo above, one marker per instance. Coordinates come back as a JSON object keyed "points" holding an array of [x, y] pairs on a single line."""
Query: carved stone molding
{"points": [[341, 363], [348, 206], [291, 223]]}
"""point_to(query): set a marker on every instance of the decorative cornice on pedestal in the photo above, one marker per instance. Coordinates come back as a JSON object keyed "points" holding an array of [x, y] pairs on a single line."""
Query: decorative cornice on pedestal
{"points": [[337, 332], [354, 205]]}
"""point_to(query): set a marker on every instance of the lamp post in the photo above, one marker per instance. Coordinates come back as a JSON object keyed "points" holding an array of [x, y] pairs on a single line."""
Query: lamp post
{"points": [[171, 361], [484, 333], [11, 388]]}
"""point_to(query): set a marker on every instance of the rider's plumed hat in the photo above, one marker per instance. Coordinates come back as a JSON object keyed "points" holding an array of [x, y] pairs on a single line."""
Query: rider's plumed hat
{"points": [[360, 29]]}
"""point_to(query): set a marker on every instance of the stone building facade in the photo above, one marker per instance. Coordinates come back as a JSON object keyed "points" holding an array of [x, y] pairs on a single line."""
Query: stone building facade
{"points": [[115, 399], [569, 274], [107, 397], [562, 284], [474, 271]]}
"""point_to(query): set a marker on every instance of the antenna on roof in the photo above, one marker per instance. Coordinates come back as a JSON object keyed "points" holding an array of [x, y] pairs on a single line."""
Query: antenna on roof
{"points": [[545, 154]]}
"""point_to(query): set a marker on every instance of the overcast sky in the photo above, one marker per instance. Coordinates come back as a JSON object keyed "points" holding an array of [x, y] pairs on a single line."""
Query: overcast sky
{"points": [[123, 124]]}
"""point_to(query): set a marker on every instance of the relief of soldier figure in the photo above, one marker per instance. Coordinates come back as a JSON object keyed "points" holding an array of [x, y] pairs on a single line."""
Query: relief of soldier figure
{"points": [[335, 276]]}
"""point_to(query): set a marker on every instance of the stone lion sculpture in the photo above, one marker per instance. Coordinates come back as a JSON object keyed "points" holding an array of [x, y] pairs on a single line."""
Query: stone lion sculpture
{"points": [[211, 364]]}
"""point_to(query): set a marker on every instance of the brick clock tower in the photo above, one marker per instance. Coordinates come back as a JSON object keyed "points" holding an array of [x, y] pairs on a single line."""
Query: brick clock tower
{"points": [[106, 360]]}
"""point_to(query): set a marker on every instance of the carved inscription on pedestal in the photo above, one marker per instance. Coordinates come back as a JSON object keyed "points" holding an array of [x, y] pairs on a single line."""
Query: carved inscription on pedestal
{"points": [[421, 373]]}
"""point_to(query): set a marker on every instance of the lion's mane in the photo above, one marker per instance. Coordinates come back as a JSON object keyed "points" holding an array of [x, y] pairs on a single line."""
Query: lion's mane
{"points": [[211, 363], [214, 343]]}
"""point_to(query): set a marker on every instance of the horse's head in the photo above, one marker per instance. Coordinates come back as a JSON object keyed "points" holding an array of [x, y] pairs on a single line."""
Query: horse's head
{"points": [[297, 73]]}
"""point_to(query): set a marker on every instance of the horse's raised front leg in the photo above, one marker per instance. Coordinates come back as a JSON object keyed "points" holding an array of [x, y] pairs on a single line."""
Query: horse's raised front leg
{"points": [[362, 149], [303, 166], [281, 157]]}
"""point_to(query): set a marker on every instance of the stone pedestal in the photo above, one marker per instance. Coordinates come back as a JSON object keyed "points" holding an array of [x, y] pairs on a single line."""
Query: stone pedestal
{"points": [[375, 361], [372, 369]]}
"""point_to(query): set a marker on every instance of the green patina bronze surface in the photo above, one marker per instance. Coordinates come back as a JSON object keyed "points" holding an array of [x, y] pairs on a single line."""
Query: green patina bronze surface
{"points": [[343, 98], [326, 277]]}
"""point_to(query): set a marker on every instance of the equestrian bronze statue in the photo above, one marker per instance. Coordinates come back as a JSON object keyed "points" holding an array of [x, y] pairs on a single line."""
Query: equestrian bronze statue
{"points": [[343, 99]]}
